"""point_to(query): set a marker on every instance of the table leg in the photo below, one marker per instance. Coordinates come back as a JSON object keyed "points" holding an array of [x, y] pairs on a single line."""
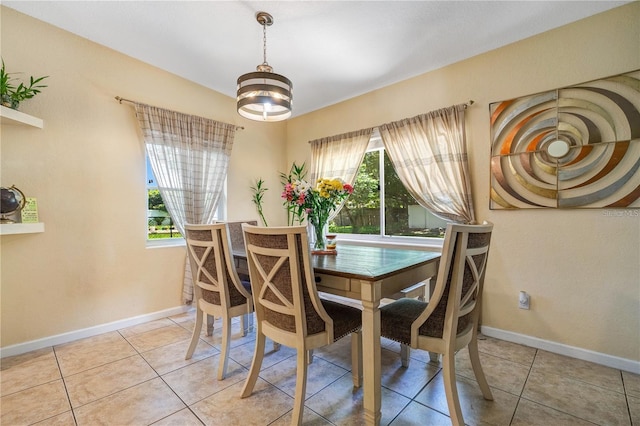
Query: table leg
{"points": [[210, 320], [372, 389]]}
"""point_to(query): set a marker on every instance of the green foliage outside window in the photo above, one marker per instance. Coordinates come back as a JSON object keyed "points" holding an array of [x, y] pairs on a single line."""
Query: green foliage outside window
{"points": [[160, 224], [361, 213], [155, 200]]}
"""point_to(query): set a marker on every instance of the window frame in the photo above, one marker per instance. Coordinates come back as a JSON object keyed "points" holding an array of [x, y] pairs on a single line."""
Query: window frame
{"points": [[376, 144]]}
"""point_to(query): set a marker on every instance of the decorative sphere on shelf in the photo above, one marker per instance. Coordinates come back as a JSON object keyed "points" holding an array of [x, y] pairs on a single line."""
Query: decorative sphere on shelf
{"points": [[12, 200]]}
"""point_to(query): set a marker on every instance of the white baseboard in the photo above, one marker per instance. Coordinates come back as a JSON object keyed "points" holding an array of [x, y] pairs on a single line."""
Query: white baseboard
{"points": [[59, 339], [558, 348], [618, 363]]}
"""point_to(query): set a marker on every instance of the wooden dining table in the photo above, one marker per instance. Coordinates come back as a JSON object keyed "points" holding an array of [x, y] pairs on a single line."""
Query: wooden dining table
{"points": [[368, 274]]}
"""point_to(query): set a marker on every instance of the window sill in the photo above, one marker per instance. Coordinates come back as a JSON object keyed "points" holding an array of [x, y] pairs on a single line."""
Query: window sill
{"points": [[413, 243], [166, 242]]}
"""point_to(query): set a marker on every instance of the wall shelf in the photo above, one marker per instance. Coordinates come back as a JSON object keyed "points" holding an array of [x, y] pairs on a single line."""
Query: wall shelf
{"points": [[11, 116], [21, 228]]}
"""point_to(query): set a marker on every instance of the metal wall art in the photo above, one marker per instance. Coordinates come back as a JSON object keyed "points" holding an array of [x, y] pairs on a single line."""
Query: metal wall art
{"points": [[576, 147]]}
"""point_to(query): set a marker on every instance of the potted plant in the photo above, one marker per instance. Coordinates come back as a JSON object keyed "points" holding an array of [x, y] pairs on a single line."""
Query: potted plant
{"points": [[6, 87], [12, 95]]}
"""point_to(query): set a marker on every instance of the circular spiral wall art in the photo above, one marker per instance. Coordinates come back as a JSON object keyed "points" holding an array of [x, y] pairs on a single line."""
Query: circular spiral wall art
{"points": [[575, 147]]}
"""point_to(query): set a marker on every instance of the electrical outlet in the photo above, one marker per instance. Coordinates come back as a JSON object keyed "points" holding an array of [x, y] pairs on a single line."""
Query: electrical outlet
{"points": [[523, 300]]}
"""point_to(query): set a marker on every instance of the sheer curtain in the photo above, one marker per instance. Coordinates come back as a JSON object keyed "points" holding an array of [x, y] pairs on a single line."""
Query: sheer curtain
{"points": [[429, 155], [189, 156], [339, 157]]}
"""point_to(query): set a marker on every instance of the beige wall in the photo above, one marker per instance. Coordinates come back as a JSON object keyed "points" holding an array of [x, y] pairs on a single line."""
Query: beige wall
{"points": [[581, 268], [86, 168]]}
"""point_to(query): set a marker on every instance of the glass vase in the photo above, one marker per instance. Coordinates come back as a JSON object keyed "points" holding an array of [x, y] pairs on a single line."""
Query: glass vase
{"points": [[320, 242]]}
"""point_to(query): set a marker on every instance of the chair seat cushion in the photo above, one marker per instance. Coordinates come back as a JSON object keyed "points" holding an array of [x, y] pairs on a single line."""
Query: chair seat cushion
{"points": [[397, 317], [346, 319]]}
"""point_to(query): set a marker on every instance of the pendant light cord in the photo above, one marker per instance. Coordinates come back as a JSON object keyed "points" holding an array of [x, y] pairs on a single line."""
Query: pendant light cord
{"points": [[264, 43]]}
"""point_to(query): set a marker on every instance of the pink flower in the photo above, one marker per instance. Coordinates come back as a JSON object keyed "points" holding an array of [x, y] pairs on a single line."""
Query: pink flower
{"points": [[288, 192], [348, 188]]}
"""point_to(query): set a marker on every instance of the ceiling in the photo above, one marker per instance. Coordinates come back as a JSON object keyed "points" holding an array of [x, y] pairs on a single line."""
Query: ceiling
{"points": [[330, 50]]}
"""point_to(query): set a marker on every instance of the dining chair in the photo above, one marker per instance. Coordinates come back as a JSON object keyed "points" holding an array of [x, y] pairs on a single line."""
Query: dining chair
{"points": [[237, 244], [218, 290], [415, 291], [449, 320], [288, 308]]}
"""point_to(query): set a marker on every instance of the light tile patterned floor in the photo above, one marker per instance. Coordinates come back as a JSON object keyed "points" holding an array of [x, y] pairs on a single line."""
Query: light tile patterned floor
{"points": [[138, 376]]}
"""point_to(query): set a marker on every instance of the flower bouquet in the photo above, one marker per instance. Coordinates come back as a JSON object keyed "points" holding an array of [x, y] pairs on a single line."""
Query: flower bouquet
{"points": [[315, 202]]}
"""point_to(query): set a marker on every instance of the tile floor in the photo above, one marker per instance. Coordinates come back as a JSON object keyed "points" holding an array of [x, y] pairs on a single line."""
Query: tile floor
{"points": [[138, 376]]}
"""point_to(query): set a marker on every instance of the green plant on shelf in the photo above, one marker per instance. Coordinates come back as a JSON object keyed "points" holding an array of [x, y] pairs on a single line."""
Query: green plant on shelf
{"points": [[13, 94]]}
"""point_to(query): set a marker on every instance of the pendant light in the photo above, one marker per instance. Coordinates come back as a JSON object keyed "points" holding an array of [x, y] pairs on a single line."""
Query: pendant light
{"points": [[264, 95]]}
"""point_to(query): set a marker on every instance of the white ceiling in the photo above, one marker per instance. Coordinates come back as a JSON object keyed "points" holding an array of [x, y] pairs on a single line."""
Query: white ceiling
{"points": [[331, 50]]}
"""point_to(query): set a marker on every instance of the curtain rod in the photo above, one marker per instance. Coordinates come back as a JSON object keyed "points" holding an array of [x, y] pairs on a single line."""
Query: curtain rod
{"points": [[121, 100], [466, 105]]}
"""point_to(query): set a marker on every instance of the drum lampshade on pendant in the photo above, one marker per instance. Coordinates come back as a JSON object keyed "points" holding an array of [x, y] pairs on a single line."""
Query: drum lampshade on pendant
{"points": [[264, 95]]}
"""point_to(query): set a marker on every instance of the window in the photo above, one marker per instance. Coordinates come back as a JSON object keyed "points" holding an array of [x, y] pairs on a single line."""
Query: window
{"points": [[380, 205], [159, 223], [160, 227]]}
